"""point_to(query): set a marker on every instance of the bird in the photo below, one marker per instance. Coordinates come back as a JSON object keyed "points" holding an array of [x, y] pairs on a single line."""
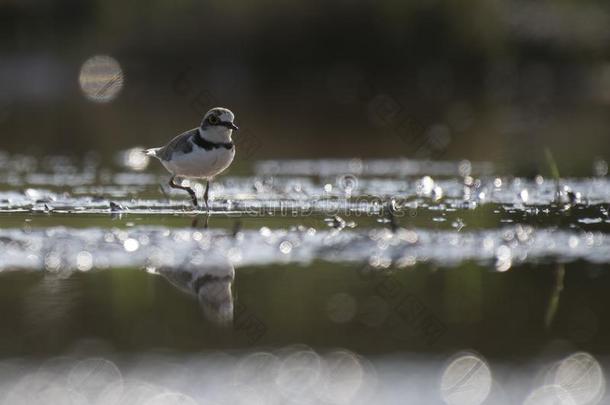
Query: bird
{"points": [[210, 282], [200, 153]]}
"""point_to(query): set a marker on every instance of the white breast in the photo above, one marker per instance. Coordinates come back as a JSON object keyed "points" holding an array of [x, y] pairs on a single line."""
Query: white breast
{"points": [[200, 163]]}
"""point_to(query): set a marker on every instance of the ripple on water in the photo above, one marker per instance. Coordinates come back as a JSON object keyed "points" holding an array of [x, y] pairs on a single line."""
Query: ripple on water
{"points": [[71, 183], [445, 192], [140, 191], [83, 249]]}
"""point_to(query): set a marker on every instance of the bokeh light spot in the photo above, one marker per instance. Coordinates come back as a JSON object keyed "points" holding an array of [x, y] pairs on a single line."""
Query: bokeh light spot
{"points": [[84, 261], [131, 245], [466, 381], [101, 78], [582, 377]]}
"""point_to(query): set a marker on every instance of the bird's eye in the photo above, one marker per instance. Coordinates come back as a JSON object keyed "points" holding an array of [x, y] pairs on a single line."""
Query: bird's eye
{"points": [[213, 120]]}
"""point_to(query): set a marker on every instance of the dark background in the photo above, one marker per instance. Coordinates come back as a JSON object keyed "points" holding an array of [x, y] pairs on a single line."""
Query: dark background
{"points": [[446, 79]]}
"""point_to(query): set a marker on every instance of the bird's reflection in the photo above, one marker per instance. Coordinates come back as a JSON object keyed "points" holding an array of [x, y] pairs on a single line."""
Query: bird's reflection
{"points": [[196, 221], [211, 284]]}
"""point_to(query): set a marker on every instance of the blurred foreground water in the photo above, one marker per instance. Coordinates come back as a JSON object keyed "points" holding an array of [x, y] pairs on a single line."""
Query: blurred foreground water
{"points": [[329, 281]]}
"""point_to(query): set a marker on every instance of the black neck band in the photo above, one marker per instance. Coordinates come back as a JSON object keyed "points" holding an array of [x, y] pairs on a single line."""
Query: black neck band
{"points": [[207, 145]]}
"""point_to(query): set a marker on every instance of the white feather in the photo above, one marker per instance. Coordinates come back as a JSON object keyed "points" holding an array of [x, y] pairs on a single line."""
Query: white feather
{"points": [[200, 163], [151, 152]]}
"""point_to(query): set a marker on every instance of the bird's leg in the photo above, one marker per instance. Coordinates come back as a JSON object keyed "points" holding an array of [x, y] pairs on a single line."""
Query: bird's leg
{"points": [[205, 194], [187, 189], [162, 189], [195, 222]]}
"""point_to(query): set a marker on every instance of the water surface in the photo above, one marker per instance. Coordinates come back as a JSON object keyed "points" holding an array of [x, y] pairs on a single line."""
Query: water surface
{"points": [[332, 281]]}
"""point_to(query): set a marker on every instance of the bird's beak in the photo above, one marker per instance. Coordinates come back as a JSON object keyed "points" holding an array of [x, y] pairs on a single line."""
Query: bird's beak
{"points": [[233, 126]]}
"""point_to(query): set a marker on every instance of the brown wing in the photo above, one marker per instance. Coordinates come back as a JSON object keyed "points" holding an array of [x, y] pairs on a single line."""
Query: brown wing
{"points": [[181, 143]]}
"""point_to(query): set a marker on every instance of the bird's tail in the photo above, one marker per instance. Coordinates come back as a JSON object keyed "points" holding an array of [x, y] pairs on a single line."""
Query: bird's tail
{"points": [[151, 152]]}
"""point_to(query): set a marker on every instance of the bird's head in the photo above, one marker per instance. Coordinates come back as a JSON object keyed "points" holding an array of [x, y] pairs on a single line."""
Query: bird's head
{"points": [[219, 117], [218, 124]]}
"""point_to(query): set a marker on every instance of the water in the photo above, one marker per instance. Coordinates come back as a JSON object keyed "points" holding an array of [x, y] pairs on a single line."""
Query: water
{"points": [[333, 281]]}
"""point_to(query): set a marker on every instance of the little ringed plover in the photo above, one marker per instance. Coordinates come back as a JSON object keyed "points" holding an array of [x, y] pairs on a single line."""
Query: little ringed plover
{"points": [[200, 153]]}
